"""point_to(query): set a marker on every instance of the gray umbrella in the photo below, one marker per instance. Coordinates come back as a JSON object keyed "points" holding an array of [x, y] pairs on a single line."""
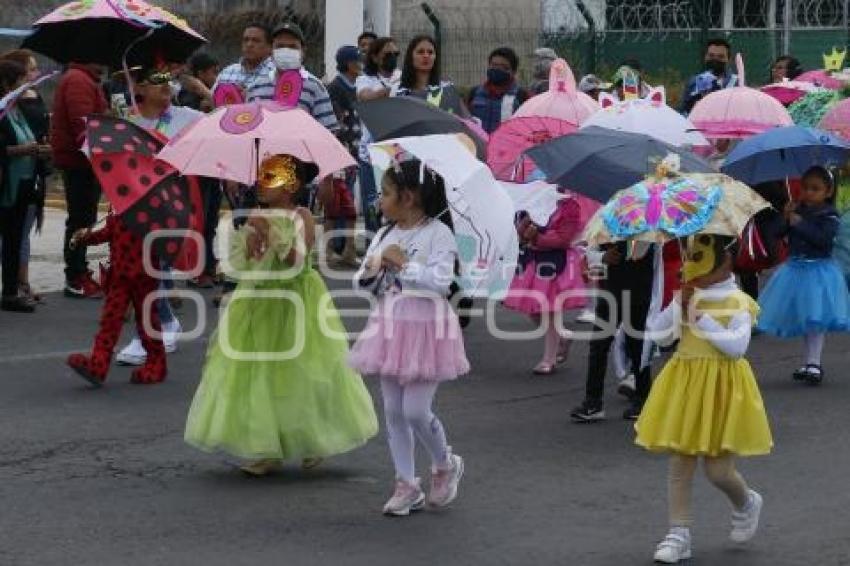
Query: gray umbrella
{"points": [[598, 162]]}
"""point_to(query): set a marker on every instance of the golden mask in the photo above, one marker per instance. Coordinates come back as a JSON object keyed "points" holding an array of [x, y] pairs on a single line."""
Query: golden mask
{"points": [[700, 257], [278, 172]]}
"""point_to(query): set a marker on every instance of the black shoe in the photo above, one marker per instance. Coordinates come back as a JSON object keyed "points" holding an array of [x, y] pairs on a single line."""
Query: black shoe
{"points": [[17, 304], [814, 374], [633, 412], [588, 412]]}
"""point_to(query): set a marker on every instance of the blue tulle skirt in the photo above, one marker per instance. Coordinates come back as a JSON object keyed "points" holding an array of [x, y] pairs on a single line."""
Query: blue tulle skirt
{"points": [[805, 296]]}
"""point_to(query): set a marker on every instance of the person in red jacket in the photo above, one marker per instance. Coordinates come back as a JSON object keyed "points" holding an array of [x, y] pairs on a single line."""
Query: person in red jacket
{"points": [[128, 283], [78, 94]]}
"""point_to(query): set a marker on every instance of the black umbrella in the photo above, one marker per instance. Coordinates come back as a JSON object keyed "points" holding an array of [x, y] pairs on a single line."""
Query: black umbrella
{"points": [[400, 117], [102, 31], [598, 162]]}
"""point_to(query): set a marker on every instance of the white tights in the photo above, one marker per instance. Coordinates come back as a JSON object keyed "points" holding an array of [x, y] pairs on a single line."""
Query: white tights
{"points": [[814, 347], [407, 409]]}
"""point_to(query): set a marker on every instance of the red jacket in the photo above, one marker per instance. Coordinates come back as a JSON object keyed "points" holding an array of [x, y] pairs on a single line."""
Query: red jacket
{"points": [[77, 95]]}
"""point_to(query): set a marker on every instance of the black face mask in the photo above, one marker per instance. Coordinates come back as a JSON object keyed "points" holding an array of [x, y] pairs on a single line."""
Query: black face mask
{"points": [[389, 62], [718, 68]]}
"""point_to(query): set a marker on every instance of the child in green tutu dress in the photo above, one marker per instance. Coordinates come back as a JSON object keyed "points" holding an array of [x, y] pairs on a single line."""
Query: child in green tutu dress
{"points": [[276, 385]]}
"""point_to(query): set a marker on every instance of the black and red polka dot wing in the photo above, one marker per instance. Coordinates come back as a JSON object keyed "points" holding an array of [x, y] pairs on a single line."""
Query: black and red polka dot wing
{"points": [[166, 206], [106, 134]]}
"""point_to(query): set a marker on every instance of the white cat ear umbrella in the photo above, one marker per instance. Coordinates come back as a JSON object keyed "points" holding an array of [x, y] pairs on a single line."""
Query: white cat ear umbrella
{"points": [[650, 116], [482, 212]]}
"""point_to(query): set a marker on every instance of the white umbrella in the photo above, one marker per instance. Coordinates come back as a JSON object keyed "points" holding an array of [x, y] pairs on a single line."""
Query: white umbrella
{"points": [[650, 116], [538, 198], [482, 212]]}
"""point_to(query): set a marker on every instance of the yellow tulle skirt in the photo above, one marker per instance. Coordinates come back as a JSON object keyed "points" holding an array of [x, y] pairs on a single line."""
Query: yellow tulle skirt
{"points": [[705, 407]]}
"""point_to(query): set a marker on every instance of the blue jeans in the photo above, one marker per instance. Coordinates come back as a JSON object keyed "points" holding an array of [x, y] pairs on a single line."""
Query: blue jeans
{"points": [[163, 307], [368, 196], [29, 223]]}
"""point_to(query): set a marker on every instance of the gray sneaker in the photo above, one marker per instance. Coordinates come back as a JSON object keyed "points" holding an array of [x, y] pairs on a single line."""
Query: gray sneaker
{"points": [[408, 497], [444, 482], [745, 523]]}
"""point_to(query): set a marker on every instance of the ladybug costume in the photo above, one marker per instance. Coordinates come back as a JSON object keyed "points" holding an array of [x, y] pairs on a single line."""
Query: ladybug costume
{"points": [[126, 283]]}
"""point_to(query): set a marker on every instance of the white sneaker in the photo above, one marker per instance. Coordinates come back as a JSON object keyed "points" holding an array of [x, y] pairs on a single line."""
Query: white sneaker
{"points": [[133, 354], [444, 482], [586, 316], [627, 386], [406, 498], [675, 547], [745, 523], [170, 333]]}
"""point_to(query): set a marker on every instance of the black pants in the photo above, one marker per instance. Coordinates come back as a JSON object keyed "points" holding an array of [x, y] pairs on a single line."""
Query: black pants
{"points": [[597, 363], [12, 230], [750, 284], [212, 193], [82, 193]]}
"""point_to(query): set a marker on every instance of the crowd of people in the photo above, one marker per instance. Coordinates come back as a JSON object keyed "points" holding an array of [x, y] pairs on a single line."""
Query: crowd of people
{"points": [[704, 404]]}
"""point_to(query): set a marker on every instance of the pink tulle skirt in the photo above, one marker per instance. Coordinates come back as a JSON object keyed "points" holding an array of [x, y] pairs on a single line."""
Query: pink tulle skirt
{"points": [[411, 339], [531, 293]]}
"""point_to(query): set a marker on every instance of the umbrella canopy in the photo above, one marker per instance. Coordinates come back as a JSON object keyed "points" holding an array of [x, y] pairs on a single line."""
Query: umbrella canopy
{"points": [[482, 212], [562, 100], [406, 116], [7, 101], [837, 119], [149, 195], [230, 142], [784, 152], [598, 162], [650, 116], [810, 109], [788, 92], [507, 144], [821, 78], [662, 208], [738, 112], [101, 31]]}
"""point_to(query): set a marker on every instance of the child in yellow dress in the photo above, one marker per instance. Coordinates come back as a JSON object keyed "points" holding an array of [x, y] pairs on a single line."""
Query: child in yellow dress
{"points": [[706, 403]]}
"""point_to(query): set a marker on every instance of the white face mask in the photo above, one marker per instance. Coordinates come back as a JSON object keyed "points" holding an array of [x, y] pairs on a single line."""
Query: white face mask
{"points": [[287, 59]]}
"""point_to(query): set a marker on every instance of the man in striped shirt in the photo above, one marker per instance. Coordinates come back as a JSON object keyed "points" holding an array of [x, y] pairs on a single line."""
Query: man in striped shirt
{"points": [[288, 54], [256, 65]]}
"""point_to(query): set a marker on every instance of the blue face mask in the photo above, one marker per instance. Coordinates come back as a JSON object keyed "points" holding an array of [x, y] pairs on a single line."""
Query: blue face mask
{"points": [[498, 77]]}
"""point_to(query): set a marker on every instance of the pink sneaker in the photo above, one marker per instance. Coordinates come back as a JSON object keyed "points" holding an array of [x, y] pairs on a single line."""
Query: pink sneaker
{"points": [[407, 497], [444, 482]]}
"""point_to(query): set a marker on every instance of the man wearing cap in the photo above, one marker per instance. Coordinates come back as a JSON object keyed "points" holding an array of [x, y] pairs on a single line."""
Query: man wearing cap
{"points": [[288, 55], [255, 66], [592, 86]]}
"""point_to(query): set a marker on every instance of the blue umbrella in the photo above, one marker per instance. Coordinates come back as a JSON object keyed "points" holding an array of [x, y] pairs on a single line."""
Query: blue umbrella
{"points": [[785, 152], [597, 162]]}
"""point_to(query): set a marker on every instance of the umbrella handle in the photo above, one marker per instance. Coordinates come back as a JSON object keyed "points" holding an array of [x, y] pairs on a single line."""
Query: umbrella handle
{"points": [[126, 69]]}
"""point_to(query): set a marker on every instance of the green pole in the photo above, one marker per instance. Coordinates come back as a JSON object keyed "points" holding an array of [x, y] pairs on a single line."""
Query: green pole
{"points": [[590, 63], [435, 21]]}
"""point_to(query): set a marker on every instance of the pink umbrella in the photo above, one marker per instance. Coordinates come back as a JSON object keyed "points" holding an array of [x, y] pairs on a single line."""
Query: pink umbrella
{"points": [[821, 78], [562, 101], [512, 138], [230, 142], [788, 92], [837, 119], [739, 111]]}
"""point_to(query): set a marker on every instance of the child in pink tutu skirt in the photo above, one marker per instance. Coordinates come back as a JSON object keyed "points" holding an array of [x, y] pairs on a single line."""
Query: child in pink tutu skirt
{"points": [[413, 340], [549, 277]]}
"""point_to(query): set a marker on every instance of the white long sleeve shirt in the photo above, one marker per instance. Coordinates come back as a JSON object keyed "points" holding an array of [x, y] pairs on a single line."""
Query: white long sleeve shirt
{"points": [[732, 340], [431, 250]]}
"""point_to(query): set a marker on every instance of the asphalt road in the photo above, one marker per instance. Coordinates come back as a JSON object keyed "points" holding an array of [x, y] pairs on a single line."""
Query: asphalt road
{"points": [[103, 477]]}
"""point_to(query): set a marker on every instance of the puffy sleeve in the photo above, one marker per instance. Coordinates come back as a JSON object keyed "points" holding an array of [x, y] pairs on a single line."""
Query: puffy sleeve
{"points": [[437, 273], [665, 327]]}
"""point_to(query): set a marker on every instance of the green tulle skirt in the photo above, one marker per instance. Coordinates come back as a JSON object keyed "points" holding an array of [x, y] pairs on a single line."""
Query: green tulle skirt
{"points": [[306, 402]]}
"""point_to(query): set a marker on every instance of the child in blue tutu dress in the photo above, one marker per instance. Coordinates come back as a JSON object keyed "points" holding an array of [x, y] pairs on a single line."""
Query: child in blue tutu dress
{"points": [[807, 296]]}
